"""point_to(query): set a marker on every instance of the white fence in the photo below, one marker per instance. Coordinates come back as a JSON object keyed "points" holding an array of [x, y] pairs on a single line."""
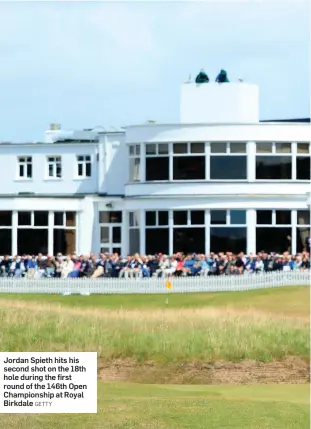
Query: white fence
{"points": [[156, 285]]}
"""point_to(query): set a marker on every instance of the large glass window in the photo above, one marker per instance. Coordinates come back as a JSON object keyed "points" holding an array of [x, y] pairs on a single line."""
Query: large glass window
{"points": [[189, 168], [157, 161], [273, 239], [157, 232], [229, 167], [157, 241], [228, 239], [273, 167], [30, 241], [189, 240], [157, 168]]}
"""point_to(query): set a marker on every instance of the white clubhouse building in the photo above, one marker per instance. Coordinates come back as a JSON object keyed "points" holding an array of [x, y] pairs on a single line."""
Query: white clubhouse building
{"points": [[217, 180]]}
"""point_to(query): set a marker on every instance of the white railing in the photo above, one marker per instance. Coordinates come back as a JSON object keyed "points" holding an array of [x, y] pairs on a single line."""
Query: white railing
{"points": [[156, 285]]}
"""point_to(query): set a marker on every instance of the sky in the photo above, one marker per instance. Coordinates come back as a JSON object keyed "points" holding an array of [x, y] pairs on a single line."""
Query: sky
{"points": [[86, 64]]}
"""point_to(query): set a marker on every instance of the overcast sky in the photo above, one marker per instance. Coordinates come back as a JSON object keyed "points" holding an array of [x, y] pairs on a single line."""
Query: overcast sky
{"points": [[113, 64]]}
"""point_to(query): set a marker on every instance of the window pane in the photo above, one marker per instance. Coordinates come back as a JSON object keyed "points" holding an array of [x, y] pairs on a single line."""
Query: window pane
{"points": [[230, 239], [218, 217], [21, 171], [104, 217], [303, 239], [116, 234], [157, 241], [228, 167], [64, 241], [264, 147], [264, 217], [151, 218], [116, 250], [104, 234], [274, 239], [189, 168], [5, 218], [180, 147], [162, 218], [41, 218], [219, 147], [32, 242], [132, 150], [303, 168], [58, 218], [24, 218], [303, 217], [115, 217], [134, 241], [134, 218], [5, 242], [134, 169], [189, 240], [283, 147], [303, 147], [58, 170], [104, 250], [88, 169], [151, 149], [237, 147], [137, 149], [70, 219], [197, 147], [180, 217], [29, 171], [197, 217], [157, 168], [283, 217], [51, 170], [162, 148], [238, 217], [80, 158], [273, 167]]}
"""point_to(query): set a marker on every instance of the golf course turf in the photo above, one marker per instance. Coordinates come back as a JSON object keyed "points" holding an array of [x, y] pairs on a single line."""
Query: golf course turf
{"points": [[200, 361]]}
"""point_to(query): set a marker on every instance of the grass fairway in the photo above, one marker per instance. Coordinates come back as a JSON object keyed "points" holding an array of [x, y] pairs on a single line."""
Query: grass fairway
{"points": [[285, 300], [128, 406]]}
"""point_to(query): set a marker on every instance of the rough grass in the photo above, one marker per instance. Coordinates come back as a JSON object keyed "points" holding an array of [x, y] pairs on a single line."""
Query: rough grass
{"points": [[128, 406], [170, 336]]}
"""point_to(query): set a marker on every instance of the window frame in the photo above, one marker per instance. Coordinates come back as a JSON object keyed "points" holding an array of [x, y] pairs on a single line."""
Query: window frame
{"points": [[84, 162], [23, 161], [57, 162]]}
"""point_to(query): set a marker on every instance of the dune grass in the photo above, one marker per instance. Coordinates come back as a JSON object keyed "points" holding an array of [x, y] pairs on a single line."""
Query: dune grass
{"points": [[170, 336], [128, 406]]}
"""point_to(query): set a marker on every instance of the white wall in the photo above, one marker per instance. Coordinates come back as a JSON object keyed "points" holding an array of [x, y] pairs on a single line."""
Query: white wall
{"points": [[216, 132], [114, 164], [219, 103], [40, 183]]}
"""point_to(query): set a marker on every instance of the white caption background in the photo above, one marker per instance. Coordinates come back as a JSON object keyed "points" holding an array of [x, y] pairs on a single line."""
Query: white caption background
{"points": [[48, 382]]}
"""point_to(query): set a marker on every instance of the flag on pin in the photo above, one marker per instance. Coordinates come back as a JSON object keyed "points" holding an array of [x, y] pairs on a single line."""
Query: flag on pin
{"points": [[168, 284]]}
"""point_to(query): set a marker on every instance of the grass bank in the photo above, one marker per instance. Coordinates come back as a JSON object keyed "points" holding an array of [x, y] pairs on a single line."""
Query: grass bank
{"points": [[126, 406], [164, 336]]}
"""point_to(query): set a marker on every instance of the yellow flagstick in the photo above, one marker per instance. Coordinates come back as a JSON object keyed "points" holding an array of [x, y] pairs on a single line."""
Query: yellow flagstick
{"points": [[169, 286]]}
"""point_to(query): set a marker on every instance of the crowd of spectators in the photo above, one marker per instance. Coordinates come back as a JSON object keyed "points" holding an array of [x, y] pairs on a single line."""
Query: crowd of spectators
{"points": [[142, 266]]}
